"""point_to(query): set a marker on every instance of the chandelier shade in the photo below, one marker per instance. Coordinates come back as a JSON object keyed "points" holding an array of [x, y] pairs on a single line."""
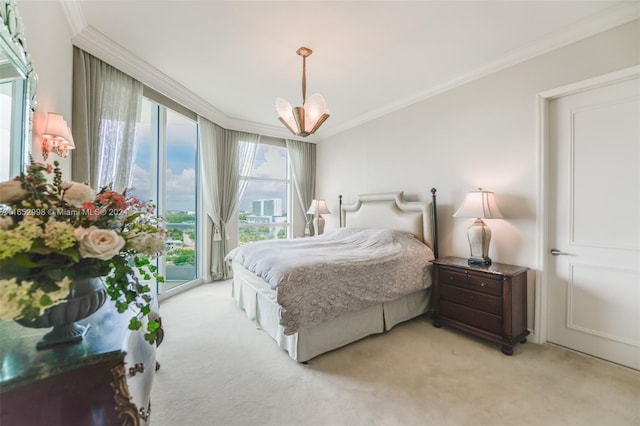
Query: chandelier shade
{"points": [[305, 120]]}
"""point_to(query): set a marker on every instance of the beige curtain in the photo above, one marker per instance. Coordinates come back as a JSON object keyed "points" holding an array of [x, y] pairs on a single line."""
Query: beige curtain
{"points": [[302, 156], [224, 156], [106, 108]]}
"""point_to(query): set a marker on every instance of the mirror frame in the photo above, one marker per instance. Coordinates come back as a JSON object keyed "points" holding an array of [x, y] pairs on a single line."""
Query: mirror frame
{"points": [[12, 42]]}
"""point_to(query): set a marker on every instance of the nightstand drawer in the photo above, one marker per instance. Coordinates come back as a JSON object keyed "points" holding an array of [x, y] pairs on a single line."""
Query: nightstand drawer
{"points": [[489, 322], [485, 283], [472, 299], [447, 276]]}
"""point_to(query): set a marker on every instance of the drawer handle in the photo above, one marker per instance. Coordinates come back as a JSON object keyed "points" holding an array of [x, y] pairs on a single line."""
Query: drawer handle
{"points": [[137, 368], [450, 278], [483, 285]]}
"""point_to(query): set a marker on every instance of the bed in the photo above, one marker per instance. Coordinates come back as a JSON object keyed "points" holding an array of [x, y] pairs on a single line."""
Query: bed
{"points": [[387, 216]]}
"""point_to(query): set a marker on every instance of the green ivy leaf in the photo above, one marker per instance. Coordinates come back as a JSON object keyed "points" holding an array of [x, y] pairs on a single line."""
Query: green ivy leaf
{"points": [[153, 325], [45, 300], [135, 324], [151, 337]]}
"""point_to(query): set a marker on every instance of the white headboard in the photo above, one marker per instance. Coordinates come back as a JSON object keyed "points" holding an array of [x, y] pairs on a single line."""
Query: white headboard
{"points": [[391, 211]]}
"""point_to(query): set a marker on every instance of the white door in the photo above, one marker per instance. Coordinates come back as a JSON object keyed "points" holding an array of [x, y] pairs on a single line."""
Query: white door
{"points": [[594, 222]]}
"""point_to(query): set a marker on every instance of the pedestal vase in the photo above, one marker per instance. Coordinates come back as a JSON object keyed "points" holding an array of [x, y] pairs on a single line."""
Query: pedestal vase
{"points": [[88, 295]]}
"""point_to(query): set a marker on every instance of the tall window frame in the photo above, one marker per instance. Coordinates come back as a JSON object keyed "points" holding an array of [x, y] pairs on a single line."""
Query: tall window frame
{"points": [[161, 113], [253, 228]]}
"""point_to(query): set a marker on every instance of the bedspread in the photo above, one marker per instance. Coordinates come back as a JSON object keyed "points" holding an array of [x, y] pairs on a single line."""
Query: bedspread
{"points": [[319, 278]]}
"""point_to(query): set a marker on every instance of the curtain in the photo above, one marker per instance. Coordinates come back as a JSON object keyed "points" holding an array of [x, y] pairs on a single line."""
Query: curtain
{"points": [[106, 108], [303, 166], [225, 156]]}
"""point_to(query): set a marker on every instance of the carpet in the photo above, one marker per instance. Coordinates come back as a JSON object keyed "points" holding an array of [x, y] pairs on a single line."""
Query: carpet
{"points": [[218, 369]]}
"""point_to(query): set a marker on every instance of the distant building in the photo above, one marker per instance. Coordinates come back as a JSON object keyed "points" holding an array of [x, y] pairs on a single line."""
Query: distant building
{"points": [[259, 219], [271, 208]]}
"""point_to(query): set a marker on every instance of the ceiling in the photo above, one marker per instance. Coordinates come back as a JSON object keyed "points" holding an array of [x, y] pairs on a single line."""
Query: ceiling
{"points": [[230, 60]]}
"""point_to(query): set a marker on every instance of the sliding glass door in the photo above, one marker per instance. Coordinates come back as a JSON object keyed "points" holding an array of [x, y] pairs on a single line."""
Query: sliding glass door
{"points": [[165, 171]]}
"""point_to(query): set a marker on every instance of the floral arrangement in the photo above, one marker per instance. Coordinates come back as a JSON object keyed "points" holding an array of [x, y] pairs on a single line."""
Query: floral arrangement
{"points": [[52, 233]]}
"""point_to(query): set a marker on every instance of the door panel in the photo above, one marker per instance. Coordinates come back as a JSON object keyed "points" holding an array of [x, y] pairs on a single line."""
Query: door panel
{"points": [[589, 302], [594, 289]]}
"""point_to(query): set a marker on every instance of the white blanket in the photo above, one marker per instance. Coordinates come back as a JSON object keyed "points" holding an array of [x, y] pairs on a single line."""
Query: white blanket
{"points": [[319, 278]]}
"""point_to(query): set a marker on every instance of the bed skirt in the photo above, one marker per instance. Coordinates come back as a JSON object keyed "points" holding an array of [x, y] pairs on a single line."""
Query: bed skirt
{"points": [[257, 299]]}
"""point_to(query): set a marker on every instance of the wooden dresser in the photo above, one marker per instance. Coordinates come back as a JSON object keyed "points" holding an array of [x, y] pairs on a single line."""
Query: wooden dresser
{"points": [[487, 301], [104, 380]]}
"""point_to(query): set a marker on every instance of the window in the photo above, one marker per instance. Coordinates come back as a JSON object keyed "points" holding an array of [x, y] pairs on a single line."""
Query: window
{"points": [[165, 170], [264, 205], [11, 129]]}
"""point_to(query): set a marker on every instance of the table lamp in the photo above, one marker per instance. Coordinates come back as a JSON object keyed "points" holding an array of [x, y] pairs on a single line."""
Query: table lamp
{"points": [[479, 204], [318, 208]]}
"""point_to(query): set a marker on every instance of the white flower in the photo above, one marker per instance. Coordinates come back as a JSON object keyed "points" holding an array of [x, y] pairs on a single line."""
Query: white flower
{"points": [[5, 222], [11, 191], [11, 294], [98, 243], [64, 288], [77, 193], [150, 244]]}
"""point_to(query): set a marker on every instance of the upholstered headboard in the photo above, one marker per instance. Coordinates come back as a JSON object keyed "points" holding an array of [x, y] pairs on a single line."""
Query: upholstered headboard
{"points": [[392, 211]]}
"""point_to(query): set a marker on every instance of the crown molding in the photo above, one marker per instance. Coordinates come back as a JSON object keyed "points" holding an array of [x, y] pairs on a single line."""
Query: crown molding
{"points": [[610, 18], [74, 15]]}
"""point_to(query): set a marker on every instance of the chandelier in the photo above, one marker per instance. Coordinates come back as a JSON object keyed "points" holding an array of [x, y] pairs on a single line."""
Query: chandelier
{"points": [[305, 120]]}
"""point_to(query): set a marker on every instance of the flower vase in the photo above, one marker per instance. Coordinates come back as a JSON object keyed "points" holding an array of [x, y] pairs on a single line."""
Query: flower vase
{"points": [[87, 296]]}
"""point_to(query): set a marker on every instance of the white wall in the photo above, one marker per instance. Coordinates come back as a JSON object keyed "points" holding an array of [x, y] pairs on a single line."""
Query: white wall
{"points": [[48, 42], [482, 134]]}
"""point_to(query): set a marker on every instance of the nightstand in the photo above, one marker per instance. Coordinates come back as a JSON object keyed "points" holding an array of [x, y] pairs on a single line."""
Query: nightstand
{"points": [[487, 301]]}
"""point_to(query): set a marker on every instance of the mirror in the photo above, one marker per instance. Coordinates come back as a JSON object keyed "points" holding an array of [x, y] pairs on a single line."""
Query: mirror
{"points": [[17, 93]]}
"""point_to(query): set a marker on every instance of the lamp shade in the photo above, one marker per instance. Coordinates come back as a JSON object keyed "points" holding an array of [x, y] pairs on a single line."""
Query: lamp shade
{"points": [[318, 207], [55, 127], [69, 141], [479, 204]]}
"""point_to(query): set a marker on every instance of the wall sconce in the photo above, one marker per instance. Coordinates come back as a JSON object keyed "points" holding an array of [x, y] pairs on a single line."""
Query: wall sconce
{"points": [[480, 205], [56, 136], [318, 208]]}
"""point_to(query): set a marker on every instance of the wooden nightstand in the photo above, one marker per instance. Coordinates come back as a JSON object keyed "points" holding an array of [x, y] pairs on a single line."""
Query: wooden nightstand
{"points": [[488, 301]]}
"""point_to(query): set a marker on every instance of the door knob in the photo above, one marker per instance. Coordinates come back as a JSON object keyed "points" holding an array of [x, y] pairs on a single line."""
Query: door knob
{"points": [[557, 252]]}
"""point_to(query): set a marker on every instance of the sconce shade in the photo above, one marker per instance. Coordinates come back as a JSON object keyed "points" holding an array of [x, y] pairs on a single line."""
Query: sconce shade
{"points": [[479, 204], [69, 143], [318, 207], [55, 127], [56, 136]]}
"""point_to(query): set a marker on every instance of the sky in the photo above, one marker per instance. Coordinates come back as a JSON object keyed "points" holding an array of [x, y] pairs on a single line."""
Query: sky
{"points": [[180, 169], [270, 162]]}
